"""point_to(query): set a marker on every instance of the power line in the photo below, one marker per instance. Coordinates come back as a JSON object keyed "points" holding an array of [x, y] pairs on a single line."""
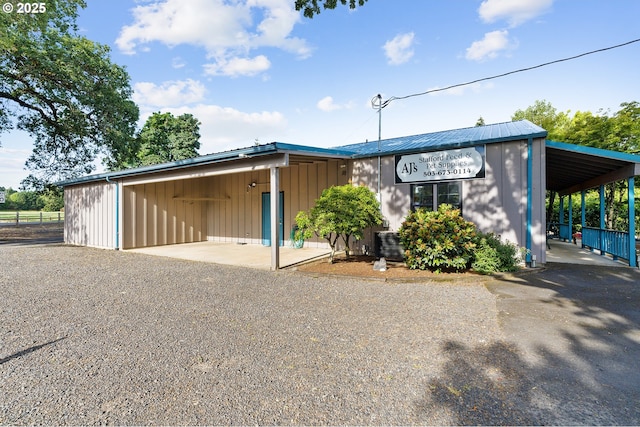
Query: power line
{"points": [[393, 98]]}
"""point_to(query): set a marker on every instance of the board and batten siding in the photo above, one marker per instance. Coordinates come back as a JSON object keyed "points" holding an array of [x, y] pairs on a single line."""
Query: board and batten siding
{"points": [[221, 208], [164, 213], [235, 212], [90, 215], [496, 203]]}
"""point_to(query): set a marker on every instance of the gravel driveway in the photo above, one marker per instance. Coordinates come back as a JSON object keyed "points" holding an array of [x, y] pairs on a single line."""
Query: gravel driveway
{"points": [[103, 337]]}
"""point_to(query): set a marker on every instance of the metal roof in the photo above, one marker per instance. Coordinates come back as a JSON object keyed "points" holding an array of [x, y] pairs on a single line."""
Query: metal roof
{"points": [[572, 168], [301, 152], [568, 167], [465, 137]]}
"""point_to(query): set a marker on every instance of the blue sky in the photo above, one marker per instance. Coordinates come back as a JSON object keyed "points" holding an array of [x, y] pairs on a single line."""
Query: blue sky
{"points": [[257, 70]]}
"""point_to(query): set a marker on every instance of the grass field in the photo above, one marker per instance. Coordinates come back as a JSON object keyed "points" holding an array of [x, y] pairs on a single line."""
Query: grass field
{"points": [[30, 217]]}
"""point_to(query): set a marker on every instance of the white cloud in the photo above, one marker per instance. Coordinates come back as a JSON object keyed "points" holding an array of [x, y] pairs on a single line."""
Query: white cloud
{"points": [[515, 12], [327, 104], [178, 63], [224, 29], [490, 46], [400, 49], [169, 93], [224, 128], [238, 66]]}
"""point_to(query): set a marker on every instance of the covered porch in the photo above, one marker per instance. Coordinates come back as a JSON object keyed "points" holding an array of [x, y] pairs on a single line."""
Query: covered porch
{"points": [[575, 169]]}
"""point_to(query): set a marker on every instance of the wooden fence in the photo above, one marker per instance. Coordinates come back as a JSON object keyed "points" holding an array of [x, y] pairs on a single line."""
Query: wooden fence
{"points": [[17, 218]]}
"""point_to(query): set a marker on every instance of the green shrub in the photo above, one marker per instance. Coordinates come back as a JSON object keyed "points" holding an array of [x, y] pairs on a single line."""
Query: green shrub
{"points": [[493, 255], [438, 240]]}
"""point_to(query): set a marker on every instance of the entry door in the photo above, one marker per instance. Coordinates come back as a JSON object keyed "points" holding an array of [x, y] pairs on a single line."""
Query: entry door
{"points": [[266, 218]]}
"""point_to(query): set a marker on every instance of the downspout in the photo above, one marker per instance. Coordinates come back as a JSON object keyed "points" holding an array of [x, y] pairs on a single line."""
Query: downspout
{"points": [[117, 225], [529, 197]]}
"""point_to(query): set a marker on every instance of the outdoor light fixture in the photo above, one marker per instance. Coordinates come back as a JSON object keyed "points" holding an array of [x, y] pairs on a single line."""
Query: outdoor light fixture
{"points": [[250, 186]]}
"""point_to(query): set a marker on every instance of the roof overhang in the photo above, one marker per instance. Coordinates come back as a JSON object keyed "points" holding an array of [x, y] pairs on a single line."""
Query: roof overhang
{"points": [[265, 156], [573, 168]]}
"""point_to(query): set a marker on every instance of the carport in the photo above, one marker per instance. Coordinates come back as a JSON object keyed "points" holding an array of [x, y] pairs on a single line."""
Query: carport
{"points": [[575, 169], [243, 196]]}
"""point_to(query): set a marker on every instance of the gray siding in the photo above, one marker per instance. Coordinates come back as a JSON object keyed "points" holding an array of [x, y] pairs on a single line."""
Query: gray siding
{"points": [[496, 203]]}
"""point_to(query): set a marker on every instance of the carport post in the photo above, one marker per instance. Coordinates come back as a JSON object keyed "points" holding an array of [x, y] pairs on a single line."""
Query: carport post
{"points": [[275, 215], [633, 262], [583, 219], [602, 224], [570, 218]]}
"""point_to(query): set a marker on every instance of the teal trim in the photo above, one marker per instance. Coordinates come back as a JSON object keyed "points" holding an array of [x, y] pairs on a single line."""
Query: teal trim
{"points": [[529, 195], [633, 260]]}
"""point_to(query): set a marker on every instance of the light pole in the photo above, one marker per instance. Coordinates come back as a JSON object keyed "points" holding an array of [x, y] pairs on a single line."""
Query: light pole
{"points": [[376, 102]]}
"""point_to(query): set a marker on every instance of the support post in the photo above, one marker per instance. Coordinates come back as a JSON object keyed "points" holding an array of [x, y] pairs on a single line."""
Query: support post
{"points": [[570, 218], [583, 219], [561, 216], [633, 261], [602, 223], [275, 215]]}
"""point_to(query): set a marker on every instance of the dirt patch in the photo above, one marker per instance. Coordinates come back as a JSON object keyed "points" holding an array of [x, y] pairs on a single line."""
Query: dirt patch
{"points": [[362, 266], [31, 232]]}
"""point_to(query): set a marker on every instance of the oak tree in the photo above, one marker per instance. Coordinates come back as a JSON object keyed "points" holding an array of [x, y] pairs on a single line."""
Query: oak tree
{"points": [[64, 91]]}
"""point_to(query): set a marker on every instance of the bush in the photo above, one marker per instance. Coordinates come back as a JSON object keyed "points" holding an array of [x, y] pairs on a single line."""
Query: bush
{"points": [[438, 240], [340, 212], [493, 255]]}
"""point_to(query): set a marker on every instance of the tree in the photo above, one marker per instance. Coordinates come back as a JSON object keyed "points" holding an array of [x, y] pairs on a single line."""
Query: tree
{"points": [[543, 114], [64, 91], [619, 132], [165, 138], [340, 212], [312, 7], [480, 121]]}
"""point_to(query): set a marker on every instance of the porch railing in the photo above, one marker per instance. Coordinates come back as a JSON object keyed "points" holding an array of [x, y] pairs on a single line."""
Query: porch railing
{"points": [[612, 242], [565, 233]]}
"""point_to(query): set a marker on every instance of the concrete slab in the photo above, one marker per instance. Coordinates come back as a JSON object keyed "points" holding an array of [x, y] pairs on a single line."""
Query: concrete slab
{"points": [[568, 253], [253, 256]]}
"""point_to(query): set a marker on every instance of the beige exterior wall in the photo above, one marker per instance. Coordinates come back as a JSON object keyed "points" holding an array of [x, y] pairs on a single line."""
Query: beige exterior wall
{"points": [[236, 214], [221, 208], [496, 203], [163, 213], [90, 216]]}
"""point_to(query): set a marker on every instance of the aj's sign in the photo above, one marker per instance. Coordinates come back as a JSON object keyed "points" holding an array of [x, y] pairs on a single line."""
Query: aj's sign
{"points": [[460, 163]]}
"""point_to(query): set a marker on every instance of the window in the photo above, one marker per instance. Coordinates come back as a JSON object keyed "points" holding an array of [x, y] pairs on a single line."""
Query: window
{"points": [[430, 196]]}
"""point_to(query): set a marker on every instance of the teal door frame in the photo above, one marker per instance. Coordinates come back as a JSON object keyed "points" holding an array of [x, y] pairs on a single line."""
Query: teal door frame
{"points": [[266, 218]]}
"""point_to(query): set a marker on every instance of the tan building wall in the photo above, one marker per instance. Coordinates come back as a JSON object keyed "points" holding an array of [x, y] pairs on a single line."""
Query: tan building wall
{"points": [[163, 213], [90, 216], [236, 214], [221, 208]]}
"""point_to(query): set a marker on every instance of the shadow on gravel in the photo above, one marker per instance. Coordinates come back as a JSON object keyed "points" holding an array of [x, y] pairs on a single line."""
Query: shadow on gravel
{"points": [[486, 385], [572, 357], [29, 350]]}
